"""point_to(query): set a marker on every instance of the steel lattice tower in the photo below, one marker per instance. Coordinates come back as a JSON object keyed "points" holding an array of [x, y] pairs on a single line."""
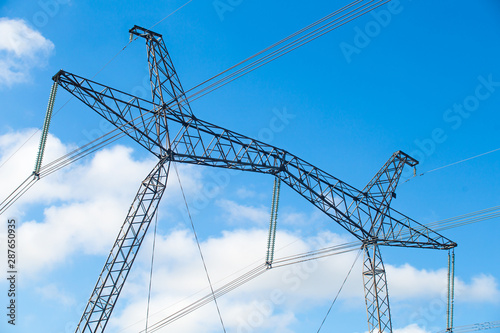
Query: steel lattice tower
{"points": [[167, 128]]}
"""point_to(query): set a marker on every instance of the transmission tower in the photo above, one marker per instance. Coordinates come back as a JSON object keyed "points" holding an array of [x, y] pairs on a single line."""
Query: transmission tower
{"points": [[167, 128]]}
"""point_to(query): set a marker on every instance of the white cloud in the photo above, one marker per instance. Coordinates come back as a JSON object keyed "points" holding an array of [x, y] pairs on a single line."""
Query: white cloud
{"points": [[408, 282], [413, 328], [51, 292], [244, 214], [21, 50], [269, 302], [274, 299], [83, 204], [483, 288], [245, 193]]}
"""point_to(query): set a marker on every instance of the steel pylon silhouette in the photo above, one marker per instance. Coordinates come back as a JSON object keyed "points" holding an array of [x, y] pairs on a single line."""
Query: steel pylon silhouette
{"points": [[166, 127]]}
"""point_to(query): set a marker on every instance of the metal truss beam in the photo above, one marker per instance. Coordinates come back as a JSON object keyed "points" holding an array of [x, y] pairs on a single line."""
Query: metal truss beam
{"points": [[132, 115], [165, 84], [124, 251], [200, 142]]}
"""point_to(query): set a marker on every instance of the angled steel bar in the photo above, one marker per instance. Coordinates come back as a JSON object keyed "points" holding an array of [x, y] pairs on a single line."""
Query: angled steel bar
{"points": [[165, 84], [382, 187], [376, 293], [133, 115], [124, 251], [166, 88]]}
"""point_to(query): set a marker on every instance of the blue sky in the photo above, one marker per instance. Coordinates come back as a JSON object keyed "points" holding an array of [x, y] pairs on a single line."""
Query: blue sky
{"points": [[417, 76]]}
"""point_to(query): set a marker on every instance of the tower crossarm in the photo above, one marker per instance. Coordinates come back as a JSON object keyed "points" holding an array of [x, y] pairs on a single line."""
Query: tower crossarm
{"points": [[203, 143], [134, 116], [200, 142], [398, 229]]}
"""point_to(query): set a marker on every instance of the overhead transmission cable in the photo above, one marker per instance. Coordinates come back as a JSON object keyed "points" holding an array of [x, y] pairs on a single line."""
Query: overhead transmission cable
{"points": [[199, 249], [338, 293], [461, 161], [302, 37], [250, 275], [151, 272], [462, 220], [454, 163], [475, 327]]}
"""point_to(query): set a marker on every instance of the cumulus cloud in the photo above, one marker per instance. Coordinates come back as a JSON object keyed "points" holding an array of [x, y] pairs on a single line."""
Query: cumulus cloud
{"points": [[408, 282], [236, 213], [80, 208], [21, 50], [482, 288], [269, 303], [52, 293], [413, 328], [274, 299]]}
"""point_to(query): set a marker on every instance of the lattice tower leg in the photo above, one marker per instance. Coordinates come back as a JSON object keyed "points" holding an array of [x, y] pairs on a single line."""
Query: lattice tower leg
{"points": [[376, 294], [124, 251]]}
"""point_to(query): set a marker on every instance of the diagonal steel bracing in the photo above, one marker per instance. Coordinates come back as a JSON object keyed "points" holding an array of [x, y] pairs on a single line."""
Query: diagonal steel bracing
{"points": [[124, 251], [168, 129], [165, 84], [376, 293], [382, 187], [200, 142]]}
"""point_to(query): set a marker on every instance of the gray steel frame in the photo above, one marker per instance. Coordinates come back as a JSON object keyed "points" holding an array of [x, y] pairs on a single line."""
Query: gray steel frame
{"points": [[382, 186], [365, 214]]}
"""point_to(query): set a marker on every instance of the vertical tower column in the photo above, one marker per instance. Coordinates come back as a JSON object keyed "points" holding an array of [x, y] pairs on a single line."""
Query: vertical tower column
{"points": [[376, 293], [382, 186]]}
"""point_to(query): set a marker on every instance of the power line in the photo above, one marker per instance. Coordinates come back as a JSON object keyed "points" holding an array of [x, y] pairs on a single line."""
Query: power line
{"points": [[338, 293], [250, 275], [454, 163], [461, 161], [199, 249], [172, 13], [302, 39], [151, 272]]}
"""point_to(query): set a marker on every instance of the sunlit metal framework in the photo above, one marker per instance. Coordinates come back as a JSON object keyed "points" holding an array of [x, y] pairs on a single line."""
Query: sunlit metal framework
{"points": [[382, 187], [168, 129]]}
